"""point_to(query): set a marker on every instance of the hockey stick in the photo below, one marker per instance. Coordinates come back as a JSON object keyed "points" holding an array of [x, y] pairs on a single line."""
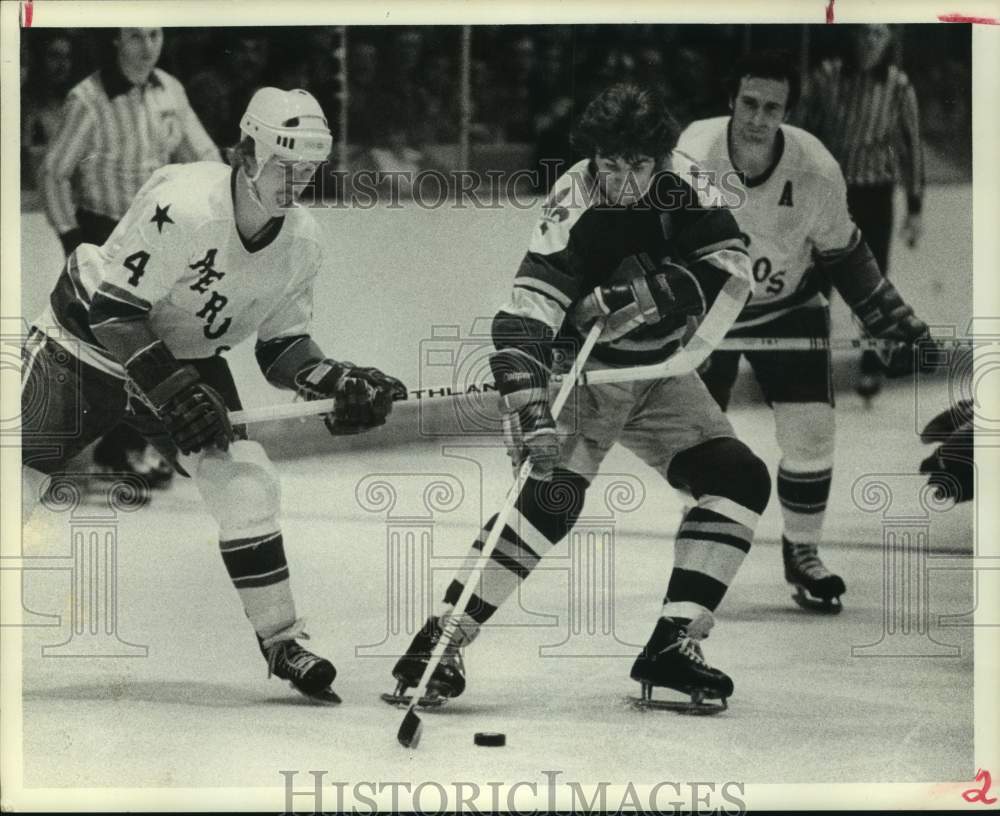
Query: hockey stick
{"points": [[409, 730], [670, 368]]}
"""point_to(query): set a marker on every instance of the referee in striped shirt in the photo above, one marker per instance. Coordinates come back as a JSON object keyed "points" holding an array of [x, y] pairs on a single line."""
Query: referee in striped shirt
{"points": [[864, 109], [119, 125]]}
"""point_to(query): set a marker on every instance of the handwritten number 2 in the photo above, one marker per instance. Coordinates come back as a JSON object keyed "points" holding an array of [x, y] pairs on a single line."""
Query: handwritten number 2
{"points": [[980, 794]]}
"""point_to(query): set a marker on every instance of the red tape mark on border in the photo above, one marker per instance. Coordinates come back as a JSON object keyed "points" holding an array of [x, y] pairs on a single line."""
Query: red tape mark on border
{"points": [[27, 12], [829, 11], [963, 18]]}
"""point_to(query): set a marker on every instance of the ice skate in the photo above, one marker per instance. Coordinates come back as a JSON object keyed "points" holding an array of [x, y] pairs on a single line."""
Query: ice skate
{"points": [[449, 676], [309, 674], [816, 588], [673, 659]]}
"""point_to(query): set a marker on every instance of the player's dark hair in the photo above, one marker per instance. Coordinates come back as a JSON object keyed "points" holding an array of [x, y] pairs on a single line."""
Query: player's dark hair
{"points": [[777, 65], [242, 153], [627, 121]]}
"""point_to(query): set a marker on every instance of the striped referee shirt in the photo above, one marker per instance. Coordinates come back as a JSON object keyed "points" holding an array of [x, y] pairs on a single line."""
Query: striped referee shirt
{"points": [[869, 122], [113, 136]]}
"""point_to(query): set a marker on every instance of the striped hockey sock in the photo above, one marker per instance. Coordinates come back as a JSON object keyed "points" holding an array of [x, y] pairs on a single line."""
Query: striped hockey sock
{"points": [[545, 512], [712, 541], [259, 571], [803, 494], [520, 547]]}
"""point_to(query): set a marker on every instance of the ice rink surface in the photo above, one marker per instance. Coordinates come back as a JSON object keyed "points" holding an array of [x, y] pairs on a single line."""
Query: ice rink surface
{"points": [[867, 696]]}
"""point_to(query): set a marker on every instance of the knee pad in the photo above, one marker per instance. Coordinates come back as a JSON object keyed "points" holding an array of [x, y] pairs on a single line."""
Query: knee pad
{"points": [[727, 468], [241, 489], [805, 433], [553, 507]]}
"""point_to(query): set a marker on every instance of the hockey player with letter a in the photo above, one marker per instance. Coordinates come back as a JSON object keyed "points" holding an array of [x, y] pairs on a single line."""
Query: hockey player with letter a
{"points": [[205, 257], [626, 238], [796, 226]]}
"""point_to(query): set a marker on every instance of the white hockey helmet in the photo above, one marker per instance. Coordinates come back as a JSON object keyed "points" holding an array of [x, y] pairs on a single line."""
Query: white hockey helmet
{"points": [[286, 124]]}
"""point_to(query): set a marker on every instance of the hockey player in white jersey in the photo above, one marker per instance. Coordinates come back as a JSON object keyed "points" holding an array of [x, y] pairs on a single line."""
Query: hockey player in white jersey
{"points": [[795, 223], [205, 257]]}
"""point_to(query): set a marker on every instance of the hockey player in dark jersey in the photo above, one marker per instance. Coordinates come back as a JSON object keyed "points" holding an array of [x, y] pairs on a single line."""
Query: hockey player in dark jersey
{"points": [[628, 238], [205, 257], [800, 236]]}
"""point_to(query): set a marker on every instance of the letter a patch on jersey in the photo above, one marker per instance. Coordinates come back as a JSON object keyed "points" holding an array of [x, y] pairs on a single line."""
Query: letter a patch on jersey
{"points": [[786, 195]]}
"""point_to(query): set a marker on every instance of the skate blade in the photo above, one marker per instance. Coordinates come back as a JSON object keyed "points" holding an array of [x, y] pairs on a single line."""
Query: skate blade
{"points": [[826, 606], [696, 705], [404, 700], [327, 697]]}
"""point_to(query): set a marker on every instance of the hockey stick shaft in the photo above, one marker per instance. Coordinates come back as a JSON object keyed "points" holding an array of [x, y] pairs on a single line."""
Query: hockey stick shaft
{"points": [[409, 729], [670, 368]]}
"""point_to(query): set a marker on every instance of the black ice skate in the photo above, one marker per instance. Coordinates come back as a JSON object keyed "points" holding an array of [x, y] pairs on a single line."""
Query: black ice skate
{"points": [[449, 677], [309, 674], [673, 659], [816, 588]]}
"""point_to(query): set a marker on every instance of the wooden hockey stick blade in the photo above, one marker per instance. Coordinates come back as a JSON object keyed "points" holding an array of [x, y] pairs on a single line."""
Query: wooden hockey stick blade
{"points": [[408, 734]]}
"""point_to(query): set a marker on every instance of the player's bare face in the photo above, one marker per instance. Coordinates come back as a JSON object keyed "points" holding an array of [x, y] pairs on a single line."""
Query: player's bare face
{"points": [[138, 51], [871, 43], [281, 184], [624, 181], [758, 110]]}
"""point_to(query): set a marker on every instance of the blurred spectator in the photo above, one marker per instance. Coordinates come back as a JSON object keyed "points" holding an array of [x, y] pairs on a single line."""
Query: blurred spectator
{"points": [[43, 94], [692, 90], [649, 69], [439, 97], [323, 70], [118, 125], [487, 113], [517, 89], [554, 115], [864, 109], [366, 98], [219, 94]]}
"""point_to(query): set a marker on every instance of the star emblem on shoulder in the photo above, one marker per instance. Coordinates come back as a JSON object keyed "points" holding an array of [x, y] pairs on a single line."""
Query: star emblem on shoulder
{"points": [[160, 217]]}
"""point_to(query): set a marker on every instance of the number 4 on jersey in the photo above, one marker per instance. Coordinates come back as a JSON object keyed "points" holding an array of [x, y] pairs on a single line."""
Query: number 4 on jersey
{"points": [[136, 264]]}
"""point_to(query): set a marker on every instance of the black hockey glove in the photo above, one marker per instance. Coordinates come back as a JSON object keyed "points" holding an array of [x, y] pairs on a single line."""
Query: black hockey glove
{"points": [[642, 293], [528, 427], [193, 413], [950, 467], [885, 315], [363, 396]]}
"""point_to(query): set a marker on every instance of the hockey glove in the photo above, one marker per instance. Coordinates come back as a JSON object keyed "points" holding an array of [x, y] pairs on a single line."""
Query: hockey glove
{"points": [[642, 294], [950, 468], [193, 413], [363, 396], [528, 427], [884, 314]]}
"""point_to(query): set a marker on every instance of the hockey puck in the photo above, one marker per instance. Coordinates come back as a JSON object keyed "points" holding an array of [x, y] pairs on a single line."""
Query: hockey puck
{"points": [[492, 739]]}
